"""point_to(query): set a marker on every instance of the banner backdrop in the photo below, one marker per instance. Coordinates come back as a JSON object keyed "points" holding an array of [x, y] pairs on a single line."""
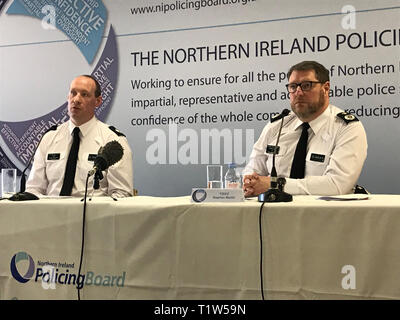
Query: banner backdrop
{"points": [[192, 83]]}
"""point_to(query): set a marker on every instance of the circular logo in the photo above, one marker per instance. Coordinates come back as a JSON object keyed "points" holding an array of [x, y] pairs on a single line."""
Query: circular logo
{"points": [[199, 195], [22, 256], [349, 117]]}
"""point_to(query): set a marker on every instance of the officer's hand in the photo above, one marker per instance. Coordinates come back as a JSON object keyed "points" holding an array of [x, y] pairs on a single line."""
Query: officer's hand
{"points": [[254, 184]]}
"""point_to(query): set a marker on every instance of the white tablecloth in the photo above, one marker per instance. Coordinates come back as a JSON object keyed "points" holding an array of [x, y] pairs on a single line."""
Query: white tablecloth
{"points": [[169, 248]]}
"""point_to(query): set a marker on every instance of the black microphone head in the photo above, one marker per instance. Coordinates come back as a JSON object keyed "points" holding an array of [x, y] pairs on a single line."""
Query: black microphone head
{"points": [[100, 162], [283, 114], [112, 152]]}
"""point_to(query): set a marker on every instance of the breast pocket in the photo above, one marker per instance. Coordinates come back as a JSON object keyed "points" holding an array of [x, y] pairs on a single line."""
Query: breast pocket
{"points": [[316, 163], [86, 164], [55, 165]]}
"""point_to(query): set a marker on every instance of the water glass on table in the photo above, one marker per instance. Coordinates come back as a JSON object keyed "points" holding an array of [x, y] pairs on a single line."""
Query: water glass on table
{"points": [[8, 182], [214, 176]]}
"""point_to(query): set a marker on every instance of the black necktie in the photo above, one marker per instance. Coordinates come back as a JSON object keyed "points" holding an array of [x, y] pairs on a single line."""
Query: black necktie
{"points": [[69, 175], [299, 159]]}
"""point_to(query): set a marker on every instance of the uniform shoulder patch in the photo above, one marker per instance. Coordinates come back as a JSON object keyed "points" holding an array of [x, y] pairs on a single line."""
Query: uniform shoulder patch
{"points": [[52, 128], [116, 131], [347, 117]]}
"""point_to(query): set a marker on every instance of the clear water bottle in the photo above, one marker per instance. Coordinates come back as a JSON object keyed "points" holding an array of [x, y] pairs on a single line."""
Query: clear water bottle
{"points": [[232, 179]]}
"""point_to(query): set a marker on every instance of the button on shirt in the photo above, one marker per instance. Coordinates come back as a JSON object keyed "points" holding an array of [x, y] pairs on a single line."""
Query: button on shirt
{"points": [[336, 152], [47, 174]]}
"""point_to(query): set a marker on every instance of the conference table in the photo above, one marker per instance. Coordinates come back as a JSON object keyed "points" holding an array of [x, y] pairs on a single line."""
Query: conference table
{"points": [[169, 248]]}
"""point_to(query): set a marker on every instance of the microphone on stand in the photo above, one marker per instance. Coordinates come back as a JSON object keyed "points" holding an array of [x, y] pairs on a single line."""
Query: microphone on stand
{"points": [[108, 155], [275, 193]]}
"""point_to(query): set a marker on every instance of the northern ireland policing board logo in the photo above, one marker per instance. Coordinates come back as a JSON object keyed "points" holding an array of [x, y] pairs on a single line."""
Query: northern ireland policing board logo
{"points": [[23, 269], [16, 261], [199, 195]]}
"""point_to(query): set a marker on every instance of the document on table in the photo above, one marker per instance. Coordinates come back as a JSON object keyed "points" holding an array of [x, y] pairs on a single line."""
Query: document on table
{"points": [[345, 197]]}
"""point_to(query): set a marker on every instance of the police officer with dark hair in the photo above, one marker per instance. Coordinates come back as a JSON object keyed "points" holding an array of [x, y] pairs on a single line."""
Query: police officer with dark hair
{"points": [[322, 149]]}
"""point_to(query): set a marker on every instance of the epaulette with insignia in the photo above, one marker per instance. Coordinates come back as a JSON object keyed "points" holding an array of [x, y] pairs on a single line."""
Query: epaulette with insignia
{"points": [[347, 117], [52, 128], [116, 131]]}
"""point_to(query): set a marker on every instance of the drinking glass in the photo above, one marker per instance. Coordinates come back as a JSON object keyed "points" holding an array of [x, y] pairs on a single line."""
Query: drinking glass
{"points": [[8, 182], [214, 176]]}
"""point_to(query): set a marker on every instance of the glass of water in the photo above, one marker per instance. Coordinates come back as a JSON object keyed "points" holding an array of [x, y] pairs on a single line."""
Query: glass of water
{"points": [[8, 182], [214, 176]]}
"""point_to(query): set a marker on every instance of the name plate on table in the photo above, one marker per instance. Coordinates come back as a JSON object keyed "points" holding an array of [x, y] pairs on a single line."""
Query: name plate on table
{"points": [[217, 195]]}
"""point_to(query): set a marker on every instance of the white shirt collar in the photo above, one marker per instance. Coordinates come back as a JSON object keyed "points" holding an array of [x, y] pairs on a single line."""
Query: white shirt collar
{"points": [[317, 123], [321, 120], [84, 128]]}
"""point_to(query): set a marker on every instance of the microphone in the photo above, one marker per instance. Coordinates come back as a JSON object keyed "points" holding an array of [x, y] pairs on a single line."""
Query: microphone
{"points": [[283, 114], [275, 194], [23, 180], [108, 155]]}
